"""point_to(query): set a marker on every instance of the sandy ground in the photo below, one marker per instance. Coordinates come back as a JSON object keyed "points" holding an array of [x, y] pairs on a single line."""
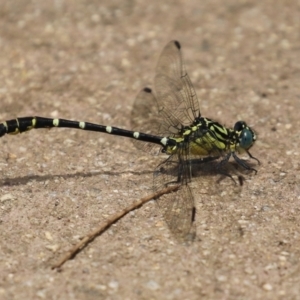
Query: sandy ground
{"points": [[87, 60]]}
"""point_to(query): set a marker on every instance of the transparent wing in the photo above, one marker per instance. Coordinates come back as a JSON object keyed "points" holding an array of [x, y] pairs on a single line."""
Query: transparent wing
{"points": [[145, 118], [176, 97], [175, 104], [177, 208], [144, 115]]}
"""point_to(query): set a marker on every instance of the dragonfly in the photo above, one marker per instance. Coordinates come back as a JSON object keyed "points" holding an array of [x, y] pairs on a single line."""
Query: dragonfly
{"points": [[169, 120]]}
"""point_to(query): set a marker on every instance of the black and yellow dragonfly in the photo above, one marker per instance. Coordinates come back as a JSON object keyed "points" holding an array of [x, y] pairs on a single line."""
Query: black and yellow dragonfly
{"points": [[170, 119]]}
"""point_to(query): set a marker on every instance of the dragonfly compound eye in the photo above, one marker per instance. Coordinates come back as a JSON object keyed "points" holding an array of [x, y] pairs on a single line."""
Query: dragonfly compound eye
{"points": [[246, 138]]}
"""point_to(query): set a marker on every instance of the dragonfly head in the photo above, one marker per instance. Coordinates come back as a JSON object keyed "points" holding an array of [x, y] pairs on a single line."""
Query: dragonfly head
{"points": [[246, 136]]}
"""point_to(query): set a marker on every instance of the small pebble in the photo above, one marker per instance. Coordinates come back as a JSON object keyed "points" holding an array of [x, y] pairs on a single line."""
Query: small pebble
{"points": [[53, 248], [48, 236], [221, 278], [267, 287], [6, 197], [41, 294], [152, 285], [113, 284]]}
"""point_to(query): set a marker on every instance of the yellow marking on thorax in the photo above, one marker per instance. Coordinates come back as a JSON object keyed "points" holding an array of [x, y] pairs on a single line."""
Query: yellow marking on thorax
{"points": [[210, 143], [187, 132]]}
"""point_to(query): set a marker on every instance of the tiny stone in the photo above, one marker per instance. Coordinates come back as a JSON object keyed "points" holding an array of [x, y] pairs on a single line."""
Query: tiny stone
{"points": [[53, 248], [41, 294], [267, 287], [101, 287], [265, 208], [6, 197], [243, 222], [113, 284], [152, 285], [48, 236], [221, 278], [282, 258]]}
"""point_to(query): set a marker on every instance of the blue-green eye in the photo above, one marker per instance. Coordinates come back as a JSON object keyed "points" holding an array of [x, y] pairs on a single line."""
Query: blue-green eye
{"points": [[246, 138]]}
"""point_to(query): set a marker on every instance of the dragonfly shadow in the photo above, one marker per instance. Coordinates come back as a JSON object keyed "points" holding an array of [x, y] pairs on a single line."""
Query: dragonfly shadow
{"points": [[215, 167], [23, 180], [210, 166]]}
